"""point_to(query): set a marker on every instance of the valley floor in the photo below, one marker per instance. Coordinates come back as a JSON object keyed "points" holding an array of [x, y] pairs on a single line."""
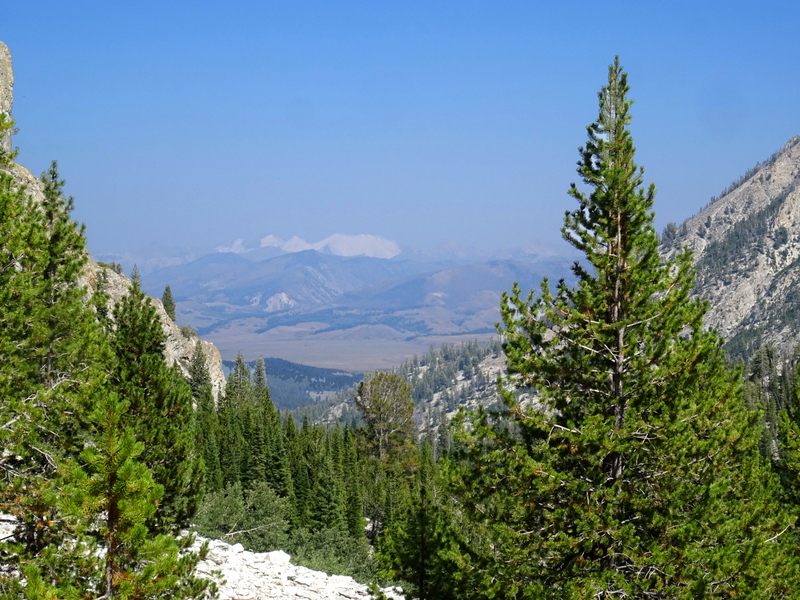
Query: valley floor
{"points": [[333, 351]]}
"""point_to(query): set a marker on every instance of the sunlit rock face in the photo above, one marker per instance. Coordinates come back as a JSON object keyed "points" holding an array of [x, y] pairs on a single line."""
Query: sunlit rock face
{"points": [[6, 90], [746, 246]]}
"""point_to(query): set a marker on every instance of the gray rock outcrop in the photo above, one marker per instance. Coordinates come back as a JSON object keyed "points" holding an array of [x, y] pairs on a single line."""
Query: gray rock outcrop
{"points": [[179, 348], [746, 247], [6, 90], [259, 575]]}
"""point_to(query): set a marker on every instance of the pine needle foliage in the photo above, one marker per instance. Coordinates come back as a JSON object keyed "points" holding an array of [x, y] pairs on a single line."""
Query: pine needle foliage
{"points": [[7, 129], [625, 463], [160, 413], [168, 302], [112, 482]]}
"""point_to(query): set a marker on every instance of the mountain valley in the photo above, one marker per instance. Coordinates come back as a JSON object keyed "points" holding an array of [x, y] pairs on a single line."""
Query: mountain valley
{"points": [[349, 313]]}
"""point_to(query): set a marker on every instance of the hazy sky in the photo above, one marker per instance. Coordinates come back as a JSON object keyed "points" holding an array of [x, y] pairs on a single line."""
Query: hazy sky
{"points": [[198, 122]]}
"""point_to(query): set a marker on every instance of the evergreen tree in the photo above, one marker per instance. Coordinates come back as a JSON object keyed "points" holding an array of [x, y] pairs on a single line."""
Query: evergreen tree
{"points": [[260, 375], [168, 302], [788, 462], [52, 357], [327, 510], [335, 441], [112, 482], [136, 279], [354, 509], [207, 439], [385, 401], [231, 442], [239, 390], [257, 452], [634, 471], [279, 473], [160, 413], [299, 473], [420, 538], [198, 372]]}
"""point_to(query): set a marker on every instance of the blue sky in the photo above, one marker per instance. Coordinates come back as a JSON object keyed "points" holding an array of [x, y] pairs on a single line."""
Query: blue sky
{"points": [[192, 123]]}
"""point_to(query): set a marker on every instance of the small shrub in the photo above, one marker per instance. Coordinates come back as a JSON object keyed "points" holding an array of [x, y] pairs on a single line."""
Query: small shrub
{"points": [[188, 332], [116, 267]]}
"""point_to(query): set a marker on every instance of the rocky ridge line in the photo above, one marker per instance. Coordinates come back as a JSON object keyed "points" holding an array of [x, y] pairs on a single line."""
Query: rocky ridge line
{"points": [[756, 281], [6, 90]]}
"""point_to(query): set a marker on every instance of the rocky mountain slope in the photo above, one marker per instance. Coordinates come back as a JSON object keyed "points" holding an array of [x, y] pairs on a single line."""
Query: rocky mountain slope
{"points": [[179, 348], [746, 246], [442, 380]]}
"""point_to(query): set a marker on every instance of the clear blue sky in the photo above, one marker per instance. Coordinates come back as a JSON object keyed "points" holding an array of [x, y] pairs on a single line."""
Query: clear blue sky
{"points": [[198, 122]]}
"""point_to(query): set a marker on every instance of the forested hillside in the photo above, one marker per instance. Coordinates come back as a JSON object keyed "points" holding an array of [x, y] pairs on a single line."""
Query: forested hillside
{"points": [[292, 385], [442, 380]]}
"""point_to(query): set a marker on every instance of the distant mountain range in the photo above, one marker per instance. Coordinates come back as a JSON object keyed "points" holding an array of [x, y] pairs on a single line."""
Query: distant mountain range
{"points": [[363, 302], [325, 307]]}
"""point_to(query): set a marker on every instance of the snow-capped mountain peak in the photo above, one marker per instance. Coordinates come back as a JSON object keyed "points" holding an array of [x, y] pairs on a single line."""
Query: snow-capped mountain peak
{"points": [[337, 244]]}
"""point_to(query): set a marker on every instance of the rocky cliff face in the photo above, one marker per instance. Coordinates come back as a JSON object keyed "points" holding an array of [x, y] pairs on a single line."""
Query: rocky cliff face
{"points": [[6, 90], [747, 250], [179, 349]]}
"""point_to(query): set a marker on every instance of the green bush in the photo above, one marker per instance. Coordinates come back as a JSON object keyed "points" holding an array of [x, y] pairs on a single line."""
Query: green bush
{"points": [[257, 519], [335, 552], [188, 332]]}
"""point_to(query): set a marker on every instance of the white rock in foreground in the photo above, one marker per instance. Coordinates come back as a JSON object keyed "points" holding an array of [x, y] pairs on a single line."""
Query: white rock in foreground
{"points": [[256, 575]]}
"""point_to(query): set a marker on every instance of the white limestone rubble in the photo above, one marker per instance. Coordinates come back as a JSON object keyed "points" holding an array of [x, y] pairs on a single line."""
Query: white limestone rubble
{"points": [[260, 575]]}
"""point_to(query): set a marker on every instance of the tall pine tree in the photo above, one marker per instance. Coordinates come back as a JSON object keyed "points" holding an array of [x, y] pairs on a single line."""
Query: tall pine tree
{"points": [[160, 412], [631, 467], [168, 302], [52, 356], [112, 482]]}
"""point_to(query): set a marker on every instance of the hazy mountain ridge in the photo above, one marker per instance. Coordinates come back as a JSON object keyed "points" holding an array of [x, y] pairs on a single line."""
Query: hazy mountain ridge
{"points": [[746, 247], [382, 310]]}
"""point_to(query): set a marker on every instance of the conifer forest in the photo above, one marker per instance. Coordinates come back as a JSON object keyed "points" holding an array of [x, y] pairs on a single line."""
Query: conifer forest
{"points": [[623, 453]]}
